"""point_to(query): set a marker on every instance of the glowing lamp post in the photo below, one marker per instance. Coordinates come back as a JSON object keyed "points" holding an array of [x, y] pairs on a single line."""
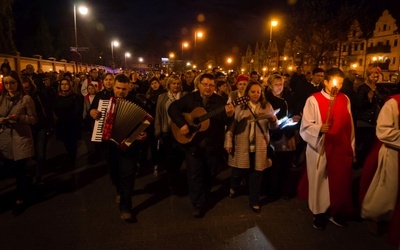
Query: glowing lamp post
{"points": [[184, 45], [82, 10], [127, 55], [197, 34], [273, 24], [113, 44]]}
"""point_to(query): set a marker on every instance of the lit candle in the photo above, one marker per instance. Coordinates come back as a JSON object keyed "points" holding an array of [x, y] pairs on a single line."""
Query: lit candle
{"points": [[334, 88]]}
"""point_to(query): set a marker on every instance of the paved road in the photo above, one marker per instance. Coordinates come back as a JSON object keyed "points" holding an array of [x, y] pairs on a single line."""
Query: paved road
{"points": [[75, 209]]}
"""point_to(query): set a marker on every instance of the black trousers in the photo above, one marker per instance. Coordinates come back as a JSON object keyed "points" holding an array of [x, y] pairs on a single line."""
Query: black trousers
{"points": [[254, 180], [122, 168]]}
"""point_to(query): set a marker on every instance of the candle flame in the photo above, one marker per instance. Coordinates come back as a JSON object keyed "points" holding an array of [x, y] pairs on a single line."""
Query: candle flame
{"points": [[334, 82]]}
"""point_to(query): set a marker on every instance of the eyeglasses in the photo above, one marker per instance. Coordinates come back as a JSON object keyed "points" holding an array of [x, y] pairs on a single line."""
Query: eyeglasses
{"points": [[9, 83], [208, 85]]}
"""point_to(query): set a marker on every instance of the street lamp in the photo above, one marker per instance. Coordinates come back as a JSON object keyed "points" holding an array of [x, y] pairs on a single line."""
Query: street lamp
{"points": [[198, 34], [184, 45], [127, 55], [113, 44], [273, 24], [82, 10]]}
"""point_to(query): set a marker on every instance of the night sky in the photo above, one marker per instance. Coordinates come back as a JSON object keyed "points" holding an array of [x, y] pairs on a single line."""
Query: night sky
{"points": [[140, 25]]}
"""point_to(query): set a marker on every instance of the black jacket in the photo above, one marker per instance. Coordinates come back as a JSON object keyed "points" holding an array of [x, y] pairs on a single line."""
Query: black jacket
{"points": [[212, 137]]}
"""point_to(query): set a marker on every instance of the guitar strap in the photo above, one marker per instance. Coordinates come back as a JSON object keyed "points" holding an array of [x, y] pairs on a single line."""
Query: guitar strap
{"points": [[256, 121], [205, 100]]}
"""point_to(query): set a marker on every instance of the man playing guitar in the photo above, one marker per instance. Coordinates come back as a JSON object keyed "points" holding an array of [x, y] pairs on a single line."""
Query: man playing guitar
{"points": [[203, 151]]}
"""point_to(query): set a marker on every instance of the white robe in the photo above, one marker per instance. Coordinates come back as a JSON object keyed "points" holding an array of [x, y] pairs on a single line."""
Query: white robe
{"points": [[318, 183], [381, 197]]}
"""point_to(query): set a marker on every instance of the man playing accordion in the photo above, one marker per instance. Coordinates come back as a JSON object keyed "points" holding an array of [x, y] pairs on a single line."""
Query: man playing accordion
{"points": [[122, 163]]}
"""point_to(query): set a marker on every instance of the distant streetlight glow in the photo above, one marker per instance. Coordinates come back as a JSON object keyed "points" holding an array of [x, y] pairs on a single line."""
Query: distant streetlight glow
{"points": [[113, 44], [197, 34], [171, 55], [184, 45], [127, 55], [273, 24], [82, 10], [140, 59]]}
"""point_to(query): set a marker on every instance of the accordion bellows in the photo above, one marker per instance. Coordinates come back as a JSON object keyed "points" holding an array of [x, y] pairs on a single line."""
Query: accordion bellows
{"points": [[121, 122]]}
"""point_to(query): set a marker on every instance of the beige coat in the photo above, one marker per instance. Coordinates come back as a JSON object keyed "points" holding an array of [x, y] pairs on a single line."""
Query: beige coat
{"points": [[16, 140], [237, 138]]}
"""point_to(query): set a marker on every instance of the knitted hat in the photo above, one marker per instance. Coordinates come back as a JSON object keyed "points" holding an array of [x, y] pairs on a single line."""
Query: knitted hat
{"points": [[242, 77]]}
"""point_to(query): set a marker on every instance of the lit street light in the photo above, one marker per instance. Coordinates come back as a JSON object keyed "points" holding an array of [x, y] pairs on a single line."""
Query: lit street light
{"points": [[184, 45], [273, 24], [113, 44], [127, 55], [82, 10], [198, 34]]}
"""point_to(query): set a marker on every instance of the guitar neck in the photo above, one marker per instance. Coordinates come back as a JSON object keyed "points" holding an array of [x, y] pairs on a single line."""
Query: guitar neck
{"points": [[211, 114]]}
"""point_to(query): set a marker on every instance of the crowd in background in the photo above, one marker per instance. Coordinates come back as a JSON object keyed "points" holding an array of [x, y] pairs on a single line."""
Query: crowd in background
{"points": [[59, 103]]}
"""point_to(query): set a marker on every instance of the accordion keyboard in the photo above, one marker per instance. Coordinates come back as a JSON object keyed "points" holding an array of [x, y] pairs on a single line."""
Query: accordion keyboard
{"points": [[97, 134]]}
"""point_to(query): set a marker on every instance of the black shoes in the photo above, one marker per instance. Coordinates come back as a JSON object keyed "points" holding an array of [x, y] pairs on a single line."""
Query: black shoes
{"points": [[338, 221], [19, 208], [320, 221], [232, 193], [127, 216], [198, 213], [256, 209]]}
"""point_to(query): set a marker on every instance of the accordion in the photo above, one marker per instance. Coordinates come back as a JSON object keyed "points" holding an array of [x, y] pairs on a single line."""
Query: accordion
{"points": [[121, 122]]}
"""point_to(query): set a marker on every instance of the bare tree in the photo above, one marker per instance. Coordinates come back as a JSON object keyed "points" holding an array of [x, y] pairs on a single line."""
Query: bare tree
{"points": [[7, 26], [317, 26]]}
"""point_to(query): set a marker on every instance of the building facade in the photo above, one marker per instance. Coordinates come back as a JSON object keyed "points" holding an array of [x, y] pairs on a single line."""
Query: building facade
{"points": [[356, 52]]}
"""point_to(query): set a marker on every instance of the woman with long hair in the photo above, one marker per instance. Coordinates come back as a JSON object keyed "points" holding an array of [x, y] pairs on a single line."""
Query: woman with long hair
{"points": [[17, 113], [246, 143], [162, 130], [68, 110], [40, 130]]}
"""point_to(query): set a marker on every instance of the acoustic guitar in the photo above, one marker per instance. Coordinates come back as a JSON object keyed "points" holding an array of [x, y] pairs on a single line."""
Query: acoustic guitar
{"points": [[198, 120]]}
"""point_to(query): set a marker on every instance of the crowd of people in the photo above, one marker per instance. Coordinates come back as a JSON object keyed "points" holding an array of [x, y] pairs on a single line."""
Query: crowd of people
{"points": [[324, 123]]}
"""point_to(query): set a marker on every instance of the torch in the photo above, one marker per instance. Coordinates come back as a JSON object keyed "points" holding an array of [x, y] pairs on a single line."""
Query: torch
{"points": [[332, 98]]}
